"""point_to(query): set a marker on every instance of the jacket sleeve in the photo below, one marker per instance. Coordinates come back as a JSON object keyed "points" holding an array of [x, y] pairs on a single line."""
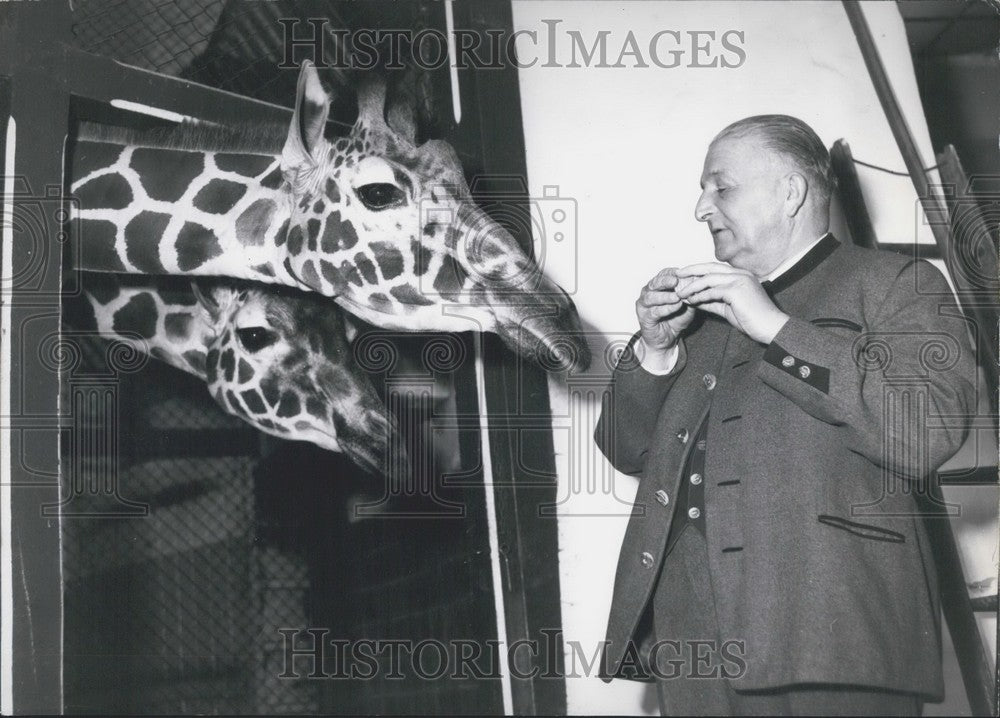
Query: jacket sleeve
{"points": [[630, 407], [880, 384]]}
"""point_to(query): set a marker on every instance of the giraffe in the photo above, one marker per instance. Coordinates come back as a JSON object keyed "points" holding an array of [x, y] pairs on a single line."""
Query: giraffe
{"points": [[386, 227], [277, 358]]}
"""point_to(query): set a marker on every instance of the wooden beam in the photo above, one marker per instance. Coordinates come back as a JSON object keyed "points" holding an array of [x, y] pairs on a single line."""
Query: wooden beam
{"points": [[959, 610], [851, 197], [975, 259], [897, 121], [936, 213], [979, 679]]}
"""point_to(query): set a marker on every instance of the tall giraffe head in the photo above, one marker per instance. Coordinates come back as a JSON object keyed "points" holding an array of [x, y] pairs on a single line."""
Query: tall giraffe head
{"points": [[390, 229], [385, 226], [277, 358]]}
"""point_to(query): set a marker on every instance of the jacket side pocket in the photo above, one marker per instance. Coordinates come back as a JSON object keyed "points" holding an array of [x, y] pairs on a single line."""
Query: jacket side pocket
{"points": [[876, 533]]}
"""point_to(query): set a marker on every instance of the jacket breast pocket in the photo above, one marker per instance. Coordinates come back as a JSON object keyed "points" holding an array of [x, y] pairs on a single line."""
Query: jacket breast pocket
{"points": [[868, 531]]}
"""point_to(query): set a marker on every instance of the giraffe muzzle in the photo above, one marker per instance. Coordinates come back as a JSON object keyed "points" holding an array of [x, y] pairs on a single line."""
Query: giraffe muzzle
{"points": [[374, 442], [546, 330]]}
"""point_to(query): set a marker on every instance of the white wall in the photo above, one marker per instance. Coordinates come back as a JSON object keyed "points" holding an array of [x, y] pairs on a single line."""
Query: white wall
{"points": [[627, 144]]}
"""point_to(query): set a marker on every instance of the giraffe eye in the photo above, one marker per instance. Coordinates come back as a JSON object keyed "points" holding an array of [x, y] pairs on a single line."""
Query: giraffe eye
{"points": [[254, 339], [381, 195]]}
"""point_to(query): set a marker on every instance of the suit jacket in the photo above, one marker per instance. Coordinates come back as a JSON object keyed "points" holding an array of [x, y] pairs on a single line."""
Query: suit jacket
{"points": [[817, 444]]}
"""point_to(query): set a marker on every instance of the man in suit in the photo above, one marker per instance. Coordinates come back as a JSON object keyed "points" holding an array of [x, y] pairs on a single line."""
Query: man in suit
{"points": [[783, 409]]}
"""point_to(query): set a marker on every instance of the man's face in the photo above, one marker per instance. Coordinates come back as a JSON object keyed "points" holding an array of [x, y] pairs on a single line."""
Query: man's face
{"points": [[742, 200]]}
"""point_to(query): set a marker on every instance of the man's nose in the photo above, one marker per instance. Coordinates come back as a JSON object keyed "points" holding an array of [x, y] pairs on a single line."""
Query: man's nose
{"points": [[703, 210]]}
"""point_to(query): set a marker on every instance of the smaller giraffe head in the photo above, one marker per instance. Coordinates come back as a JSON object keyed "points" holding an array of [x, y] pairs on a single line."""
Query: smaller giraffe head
{"points": [[389, 228], [281, 360]]}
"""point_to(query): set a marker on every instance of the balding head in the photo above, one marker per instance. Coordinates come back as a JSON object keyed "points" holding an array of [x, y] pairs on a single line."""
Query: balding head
{"points": [[797, 142]]}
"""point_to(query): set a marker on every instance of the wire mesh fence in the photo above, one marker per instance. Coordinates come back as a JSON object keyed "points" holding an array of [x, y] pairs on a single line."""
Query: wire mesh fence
{"points": [[161, 35], [240, 46], [174, 611]]}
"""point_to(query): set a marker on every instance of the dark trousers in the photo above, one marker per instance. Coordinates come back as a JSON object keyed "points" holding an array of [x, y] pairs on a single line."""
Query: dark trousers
{"points": [[692, 663]]}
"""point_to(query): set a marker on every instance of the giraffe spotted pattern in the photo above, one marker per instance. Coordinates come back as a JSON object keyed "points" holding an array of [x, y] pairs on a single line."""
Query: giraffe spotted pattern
{"points": [[278, 359], [385, 226]]}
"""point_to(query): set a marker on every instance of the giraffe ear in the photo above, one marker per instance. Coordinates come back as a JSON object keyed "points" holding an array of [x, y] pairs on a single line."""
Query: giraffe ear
{"points": [[312, 107], [350, 328], [401, 121], [371, 103], [400, 116]]}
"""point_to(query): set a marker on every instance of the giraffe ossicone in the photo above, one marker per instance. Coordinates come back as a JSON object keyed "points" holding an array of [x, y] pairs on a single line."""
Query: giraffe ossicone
{"points": [[277, 358], [386, 227]]}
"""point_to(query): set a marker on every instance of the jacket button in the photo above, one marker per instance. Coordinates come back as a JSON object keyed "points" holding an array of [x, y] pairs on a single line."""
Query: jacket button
{"points": [[682, 436], [647, 559], [701, 445], [804, 371], [695, 479], [709, 380], [788, 361], [694, 512], [662, 497]]}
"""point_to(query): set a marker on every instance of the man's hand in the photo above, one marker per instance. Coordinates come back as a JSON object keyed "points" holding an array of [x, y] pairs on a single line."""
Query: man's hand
{"points": [[661, 313], [733, 294]]}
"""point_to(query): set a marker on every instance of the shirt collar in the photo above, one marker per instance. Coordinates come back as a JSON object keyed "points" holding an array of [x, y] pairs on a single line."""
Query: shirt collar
{"points": [[802, 263], [790, 261]]}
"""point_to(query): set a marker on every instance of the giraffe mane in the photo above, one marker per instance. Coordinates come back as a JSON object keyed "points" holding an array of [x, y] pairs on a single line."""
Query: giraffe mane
{"points": [[244, 137]]}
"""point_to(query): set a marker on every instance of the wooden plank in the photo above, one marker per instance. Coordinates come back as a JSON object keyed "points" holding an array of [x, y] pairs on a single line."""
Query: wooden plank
{"points": [[851, 197], [975, 260], [958, 610], [897, 121], [936, 213], [979, 679], [99, 78]]}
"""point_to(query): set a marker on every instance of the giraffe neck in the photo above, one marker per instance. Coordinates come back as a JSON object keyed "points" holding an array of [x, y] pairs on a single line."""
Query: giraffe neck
{"points": [[166, 323], [146, 209]]}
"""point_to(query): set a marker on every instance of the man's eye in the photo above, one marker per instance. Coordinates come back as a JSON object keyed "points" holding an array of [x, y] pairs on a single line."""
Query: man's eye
{"points": [[253, 339], [381, 195], [722, 190]]}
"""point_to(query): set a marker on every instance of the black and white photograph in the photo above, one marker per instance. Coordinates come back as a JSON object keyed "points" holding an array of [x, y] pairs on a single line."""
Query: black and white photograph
{"points": [[499, 357]]}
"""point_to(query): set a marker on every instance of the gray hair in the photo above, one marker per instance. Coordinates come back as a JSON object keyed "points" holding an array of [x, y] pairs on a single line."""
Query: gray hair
{"points": [[794, 139]]}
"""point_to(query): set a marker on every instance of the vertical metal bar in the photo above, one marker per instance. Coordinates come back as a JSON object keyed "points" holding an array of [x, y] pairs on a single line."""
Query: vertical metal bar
{"points": [[39, 112], [6, 562], [34, 316], [497, 554], [517, 399]]}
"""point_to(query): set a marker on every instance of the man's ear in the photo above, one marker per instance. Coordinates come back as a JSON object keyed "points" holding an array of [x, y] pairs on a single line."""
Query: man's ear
{"points": [[797, 189], [305, 133]]}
